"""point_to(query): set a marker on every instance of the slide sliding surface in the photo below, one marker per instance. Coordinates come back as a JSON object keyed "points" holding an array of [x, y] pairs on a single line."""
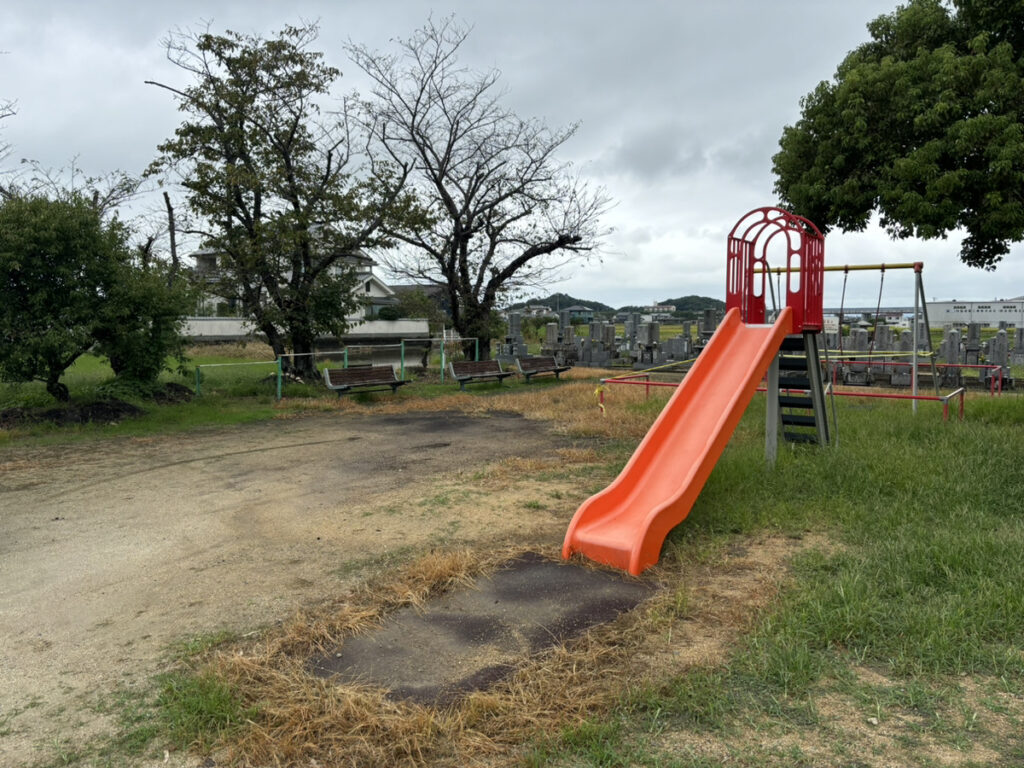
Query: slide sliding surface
{"points": [[625, 524]]}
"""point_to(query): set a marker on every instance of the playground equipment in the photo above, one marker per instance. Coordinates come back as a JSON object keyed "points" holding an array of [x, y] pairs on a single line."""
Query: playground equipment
{"points": [[626, 524], [920, 319]]}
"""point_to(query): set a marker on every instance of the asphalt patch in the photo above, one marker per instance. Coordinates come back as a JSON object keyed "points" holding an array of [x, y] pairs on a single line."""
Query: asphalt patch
{"points": [[470, 638]]}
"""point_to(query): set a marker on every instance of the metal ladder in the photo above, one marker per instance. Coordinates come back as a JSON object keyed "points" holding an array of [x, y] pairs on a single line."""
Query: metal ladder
{"points": [[799, 392]]}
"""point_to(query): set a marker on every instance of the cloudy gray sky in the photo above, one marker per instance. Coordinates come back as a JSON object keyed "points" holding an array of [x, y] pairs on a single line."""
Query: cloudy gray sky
{"points": [[681, 104]]}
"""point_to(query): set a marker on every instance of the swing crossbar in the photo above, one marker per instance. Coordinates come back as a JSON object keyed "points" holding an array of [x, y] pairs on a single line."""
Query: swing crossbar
{"points": [[917, 266]]}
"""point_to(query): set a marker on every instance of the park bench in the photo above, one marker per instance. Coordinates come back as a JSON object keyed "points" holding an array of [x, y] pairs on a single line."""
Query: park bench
{"points": [[364, 378], [466, 371], [531, 366]]}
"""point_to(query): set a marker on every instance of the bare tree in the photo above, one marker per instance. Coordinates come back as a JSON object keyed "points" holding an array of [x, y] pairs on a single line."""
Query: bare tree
{"points": [[504, 213], [107, 192], [6, 110]]}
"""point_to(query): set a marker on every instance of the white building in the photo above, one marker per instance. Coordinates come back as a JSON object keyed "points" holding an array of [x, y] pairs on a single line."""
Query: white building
{"points": [[988, 313], [217, 319]]}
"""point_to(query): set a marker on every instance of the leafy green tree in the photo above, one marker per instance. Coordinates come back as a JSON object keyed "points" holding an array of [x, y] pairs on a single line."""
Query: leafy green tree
{"points": [[59, 264], [142, 320], [504, 212], [272, 183], [416, 303], [923, 124]]}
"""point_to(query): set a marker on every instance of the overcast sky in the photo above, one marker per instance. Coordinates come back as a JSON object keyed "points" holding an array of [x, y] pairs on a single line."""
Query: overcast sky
{"points": [[681, 105]]}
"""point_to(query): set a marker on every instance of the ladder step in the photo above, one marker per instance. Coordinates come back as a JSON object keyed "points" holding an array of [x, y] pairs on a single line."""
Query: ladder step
{"points": [[796, 420], [796, 401], [800, 437], [792, 363], [794, 382], [793, 344]]}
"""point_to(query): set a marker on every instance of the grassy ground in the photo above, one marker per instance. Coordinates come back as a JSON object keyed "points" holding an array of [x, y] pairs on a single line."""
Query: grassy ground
{"points": [[893, 636]]}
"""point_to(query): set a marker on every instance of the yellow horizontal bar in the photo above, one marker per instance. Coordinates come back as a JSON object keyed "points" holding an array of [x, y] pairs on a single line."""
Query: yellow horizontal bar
{"points": [[851, 268], [652, 370]]}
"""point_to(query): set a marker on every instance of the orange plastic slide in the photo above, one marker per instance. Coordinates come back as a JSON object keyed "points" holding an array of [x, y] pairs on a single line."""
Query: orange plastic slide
{"points": [[625, 524]]}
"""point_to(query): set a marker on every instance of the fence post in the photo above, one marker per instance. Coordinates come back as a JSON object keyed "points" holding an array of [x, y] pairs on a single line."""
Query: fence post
{"points": [[280, 372], [401, 374], [476, 356], [345, 363], [199, 387], [442, 359]]}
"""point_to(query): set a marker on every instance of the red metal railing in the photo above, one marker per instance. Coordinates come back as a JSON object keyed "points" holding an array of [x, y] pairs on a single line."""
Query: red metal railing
{"points": [[944, 399], [995, 384]]}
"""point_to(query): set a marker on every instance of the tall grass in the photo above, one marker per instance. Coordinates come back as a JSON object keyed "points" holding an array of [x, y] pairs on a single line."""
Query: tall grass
{"points": [[923, 581]]}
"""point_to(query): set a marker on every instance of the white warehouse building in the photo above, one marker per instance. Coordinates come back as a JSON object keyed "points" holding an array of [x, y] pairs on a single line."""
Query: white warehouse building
{"points": [[989, 313]]}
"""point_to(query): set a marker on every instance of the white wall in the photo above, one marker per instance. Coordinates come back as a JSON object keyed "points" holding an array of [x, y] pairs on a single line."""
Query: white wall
{"points": [[224, 328], [988, 313]]}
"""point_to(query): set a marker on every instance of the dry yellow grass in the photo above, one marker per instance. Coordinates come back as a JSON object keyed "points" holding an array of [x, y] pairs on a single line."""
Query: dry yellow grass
{"points": [[242, 350], [304, 720], [571, 408]]}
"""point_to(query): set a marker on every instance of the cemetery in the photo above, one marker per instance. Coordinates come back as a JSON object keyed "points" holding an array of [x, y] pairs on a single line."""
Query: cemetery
{"points": [[862, 354]]}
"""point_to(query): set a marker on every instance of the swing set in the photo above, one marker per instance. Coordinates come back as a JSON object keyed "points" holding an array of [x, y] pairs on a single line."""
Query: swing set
{"points": [[920, 321]]}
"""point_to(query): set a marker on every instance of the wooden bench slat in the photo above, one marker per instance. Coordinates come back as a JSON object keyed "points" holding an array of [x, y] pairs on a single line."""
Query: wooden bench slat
{"points": [[467, 371], [531, 366], [344, 380]]}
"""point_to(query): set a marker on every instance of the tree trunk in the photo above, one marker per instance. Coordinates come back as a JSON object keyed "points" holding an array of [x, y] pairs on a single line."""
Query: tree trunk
{"points": [[57, 388], [477, 326], [276, 342], [303, 363]]}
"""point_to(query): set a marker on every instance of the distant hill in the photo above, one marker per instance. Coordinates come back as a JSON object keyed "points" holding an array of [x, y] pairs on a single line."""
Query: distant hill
{"points": [[695, 304], [563, 300], [687, 307]]}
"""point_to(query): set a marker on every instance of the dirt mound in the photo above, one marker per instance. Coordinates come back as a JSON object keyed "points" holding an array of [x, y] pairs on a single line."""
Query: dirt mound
{"points": [[99, 412], [173, 392]]}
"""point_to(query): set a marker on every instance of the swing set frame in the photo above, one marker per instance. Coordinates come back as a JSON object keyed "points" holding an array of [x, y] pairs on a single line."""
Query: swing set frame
{"points": [[920, 313]]}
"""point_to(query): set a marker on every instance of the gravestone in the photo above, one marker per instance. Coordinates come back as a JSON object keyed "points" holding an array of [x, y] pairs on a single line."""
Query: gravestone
{"points": [[708, 324], [551, 335], [677, 348], [972, 344], [857, 373], [884, 342], [884, 338], [1017, 358], [648, 334], [515, 345], [998, 354], [923, 336], [515, 325], [565, 322], [949, 352]]}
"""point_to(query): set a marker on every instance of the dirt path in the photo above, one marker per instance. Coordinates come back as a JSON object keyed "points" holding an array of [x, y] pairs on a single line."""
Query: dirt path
{"points": [[111, 551]]}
